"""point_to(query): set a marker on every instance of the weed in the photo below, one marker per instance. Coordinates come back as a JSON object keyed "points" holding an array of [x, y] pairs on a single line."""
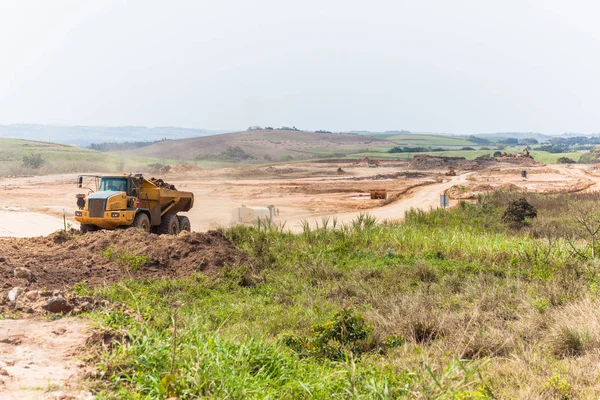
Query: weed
{"points": [[126, 260]]}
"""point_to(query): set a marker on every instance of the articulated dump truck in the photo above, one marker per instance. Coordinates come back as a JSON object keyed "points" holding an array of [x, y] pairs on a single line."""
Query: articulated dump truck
{"points": [[131, 200]]}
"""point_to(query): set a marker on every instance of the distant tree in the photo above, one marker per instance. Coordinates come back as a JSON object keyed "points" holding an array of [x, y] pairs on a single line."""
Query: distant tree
{"points": [[478, 140], [509, 141], [117, 146], [35, 161], [553, 148], [255, 128], [235, 153], [467, 148], [528, 141], [497, 154]]}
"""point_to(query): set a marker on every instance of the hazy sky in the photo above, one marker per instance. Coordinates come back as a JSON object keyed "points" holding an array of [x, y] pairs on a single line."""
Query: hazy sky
{"points": [[445, 66]]}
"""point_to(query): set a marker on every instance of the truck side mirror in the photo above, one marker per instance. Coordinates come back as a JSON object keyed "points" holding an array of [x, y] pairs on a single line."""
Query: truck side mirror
{"points": [[80, 181]]}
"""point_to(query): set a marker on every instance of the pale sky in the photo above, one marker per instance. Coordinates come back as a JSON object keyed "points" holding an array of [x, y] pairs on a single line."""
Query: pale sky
{"points": [[431, 66]]}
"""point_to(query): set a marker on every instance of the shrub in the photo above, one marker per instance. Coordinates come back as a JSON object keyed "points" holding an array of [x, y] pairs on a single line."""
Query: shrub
{"points": [[35, 161], [518, 210], [565, 160], [342, 337]]}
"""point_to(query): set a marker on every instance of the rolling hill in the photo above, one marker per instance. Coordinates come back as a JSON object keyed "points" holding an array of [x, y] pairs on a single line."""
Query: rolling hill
{"points": [[277, 144], [85, 135]]}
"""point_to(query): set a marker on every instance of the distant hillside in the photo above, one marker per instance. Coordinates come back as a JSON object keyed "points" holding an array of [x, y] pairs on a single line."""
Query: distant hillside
{"points": [[263, 145], [85, 135]]}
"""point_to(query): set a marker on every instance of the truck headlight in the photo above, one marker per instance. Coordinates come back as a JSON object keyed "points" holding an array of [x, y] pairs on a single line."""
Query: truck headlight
{"points": [[78, 213], [114, 215]]}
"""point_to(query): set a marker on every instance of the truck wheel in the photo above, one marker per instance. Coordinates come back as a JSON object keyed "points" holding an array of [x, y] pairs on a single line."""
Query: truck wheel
{"points": [[85, 228], [184, 224], [169, 225], [142, 222]]}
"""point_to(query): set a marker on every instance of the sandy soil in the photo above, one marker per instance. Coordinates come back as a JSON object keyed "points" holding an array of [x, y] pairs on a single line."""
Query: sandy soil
{"points": [[27, 224], [301, 191], [38, 360]]}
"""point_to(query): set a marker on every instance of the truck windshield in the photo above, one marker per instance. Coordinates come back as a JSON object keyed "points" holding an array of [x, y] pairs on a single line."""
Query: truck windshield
{"points": [[113, 184]]}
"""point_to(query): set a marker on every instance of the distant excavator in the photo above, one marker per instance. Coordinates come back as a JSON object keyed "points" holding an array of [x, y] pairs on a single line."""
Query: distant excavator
{"points": [[131, 200]]}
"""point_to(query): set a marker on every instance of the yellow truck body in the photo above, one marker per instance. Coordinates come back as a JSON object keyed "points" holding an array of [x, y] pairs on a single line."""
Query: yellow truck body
{"points": [[132, 200]]}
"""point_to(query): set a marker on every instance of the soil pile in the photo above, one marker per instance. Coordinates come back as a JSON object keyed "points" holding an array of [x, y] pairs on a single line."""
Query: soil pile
{"points": [[397, 175], [57, 262], [425, 162], [283, 170], [459, 192], [162, 184]]}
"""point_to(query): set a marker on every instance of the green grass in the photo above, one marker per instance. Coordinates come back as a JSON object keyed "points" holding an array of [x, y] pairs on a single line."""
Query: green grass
{"points": [[476, 308], [60, 158], [545, 157], [425, 140]]}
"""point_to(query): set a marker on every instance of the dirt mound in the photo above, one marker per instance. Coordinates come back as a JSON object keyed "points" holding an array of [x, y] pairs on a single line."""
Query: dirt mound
{"points": [[396, 175], [425, 161], [511, 187], [162, 184], [524, 161], [57, 262], [283, 170], [459, 192]]}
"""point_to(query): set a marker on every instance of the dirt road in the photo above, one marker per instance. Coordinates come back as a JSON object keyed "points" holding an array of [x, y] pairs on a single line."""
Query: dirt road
{"points": [[422, 197], [28, 224]]}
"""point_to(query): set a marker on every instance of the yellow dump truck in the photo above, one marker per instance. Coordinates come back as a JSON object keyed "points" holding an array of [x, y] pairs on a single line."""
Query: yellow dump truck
{"points": [[131, 200]]}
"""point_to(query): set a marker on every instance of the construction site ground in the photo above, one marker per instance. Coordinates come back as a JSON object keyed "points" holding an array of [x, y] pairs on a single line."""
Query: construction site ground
{"points": [[40, 359], [35, 206]]}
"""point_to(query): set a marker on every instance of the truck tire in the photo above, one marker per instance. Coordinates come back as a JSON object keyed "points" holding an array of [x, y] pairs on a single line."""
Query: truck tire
{"points": [[184, 224], [142, 222], [169, 225], [85, 228]]}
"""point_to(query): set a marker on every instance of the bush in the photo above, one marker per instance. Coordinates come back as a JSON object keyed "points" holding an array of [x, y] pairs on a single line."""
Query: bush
{"points": [[518, 210], [341, 337], [35, 161], [565, 160]]}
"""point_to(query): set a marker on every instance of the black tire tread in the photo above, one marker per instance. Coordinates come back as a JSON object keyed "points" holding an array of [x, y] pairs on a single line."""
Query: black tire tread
{"points": [[139, 218], [166, 223], [183, 222]]}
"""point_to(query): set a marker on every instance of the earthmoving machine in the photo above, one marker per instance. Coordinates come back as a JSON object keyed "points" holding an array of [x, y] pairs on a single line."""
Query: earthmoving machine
{"points": [[378, 194], [131, 200], [450, 171]]}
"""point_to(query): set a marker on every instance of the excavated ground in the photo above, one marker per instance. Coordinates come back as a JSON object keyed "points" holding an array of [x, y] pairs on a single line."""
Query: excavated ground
{"points": [[59, 261]]}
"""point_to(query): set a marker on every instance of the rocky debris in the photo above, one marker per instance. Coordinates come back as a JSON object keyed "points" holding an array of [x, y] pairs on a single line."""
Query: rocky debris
{"points": [[162, 184], [58, 305], [283, 170], [395, 175], [43, 302], [60, 264], [425, 162], [340, 171], [15, 293], [22, 273]]}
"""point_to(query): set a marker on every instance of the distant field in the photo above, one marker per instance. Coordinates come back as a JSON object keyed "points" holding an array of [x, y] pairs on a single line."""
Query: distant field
{"points": [[249, 148], [59, 158], [409, 139]]}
